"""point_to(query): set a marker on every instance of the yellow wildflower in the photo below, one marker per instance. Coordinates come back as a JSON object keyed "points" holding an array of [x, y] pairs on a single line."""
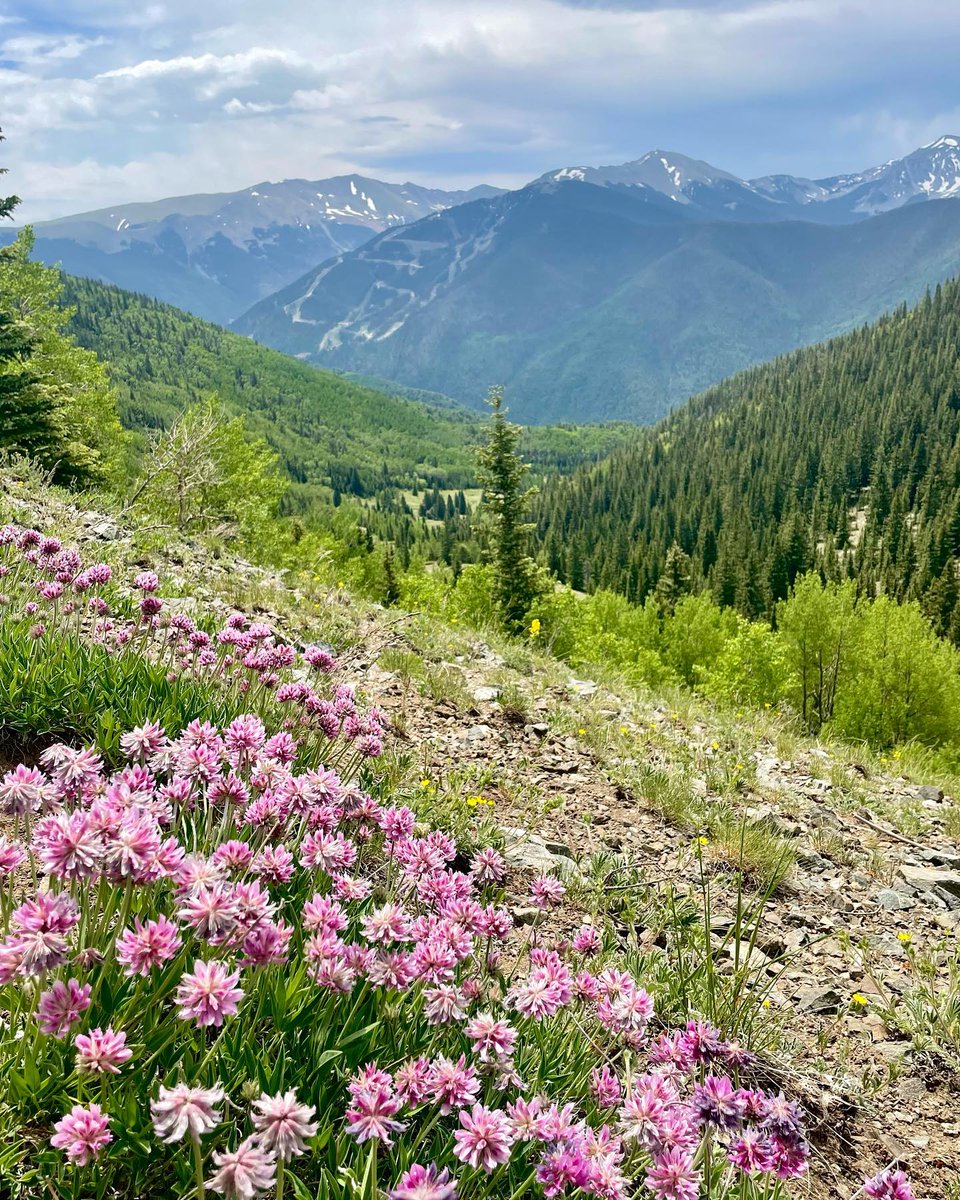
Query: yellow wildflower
{"points": [[904, 938], [859, 999], [703, 841], [714, 745], [535, 627]]}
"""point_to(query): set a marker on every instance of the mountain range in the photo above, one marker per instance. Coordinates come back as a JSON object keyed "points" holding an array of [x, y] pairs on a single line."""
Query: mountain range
{"points": [[932, 172], [591, 293], [217, 254], [618, 292]]}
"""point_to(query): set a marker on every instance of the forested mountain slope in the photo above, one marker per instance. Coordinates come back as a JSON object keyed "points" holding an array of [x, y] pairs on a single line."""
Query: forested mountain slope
{"points": [[845, 454], [327, 429]]}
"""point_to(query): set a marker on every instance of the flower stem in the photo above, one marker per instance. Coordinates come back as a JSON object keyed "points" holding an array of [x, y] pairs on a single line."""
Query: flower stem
{"points": [[198, 1167]]}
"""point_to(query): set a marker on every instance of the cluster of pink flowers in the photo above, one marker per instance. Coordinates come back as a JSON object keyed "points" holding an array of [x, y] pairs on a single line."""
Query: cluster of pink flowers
{"points": [[666, 1113], [282, 1128], [249, 656]]}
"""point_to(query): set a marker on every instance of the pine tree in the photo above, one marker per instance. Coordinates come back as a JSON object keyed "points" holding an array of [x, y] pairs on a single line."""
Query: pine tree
{"points": [[391, 585], [502, 473], [674, 581], [26, 420]]}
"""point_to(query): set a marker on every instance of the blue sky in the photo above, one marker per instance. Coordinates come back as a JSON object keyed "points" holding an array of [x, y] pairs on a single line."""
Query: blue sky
{"points": [[104, 101]]}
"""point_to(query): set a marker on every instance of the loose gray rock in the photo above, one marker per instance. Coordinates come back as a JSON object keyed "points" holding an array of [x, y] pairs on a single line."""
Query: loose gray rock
{"points": [[526, 914], [478, 733], [932, 879], [484, 694], [893, 901], [529, 852], [819, 1000]]}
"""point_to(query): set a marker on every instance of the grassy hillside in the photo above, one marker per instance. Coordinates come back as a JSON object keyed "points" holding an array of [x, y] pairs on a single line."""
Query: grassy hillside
{"points": [[327, 429]]}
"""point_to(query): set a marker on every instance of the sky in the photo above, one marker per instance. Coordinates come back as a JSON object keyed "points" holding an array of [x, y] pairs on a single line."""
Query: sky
{"points": [[107, 101]]}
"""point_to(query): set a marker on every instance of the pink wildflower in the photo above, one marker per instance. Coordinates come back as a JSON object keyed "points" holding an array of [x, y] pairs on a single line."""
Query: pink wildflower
{"points": [[587, 940], [102, 1051], [751, 1152], [143, 742], [243, 1172], [526, 1119], [492, 1038], [672, 1176], [546, 892], [183, 1109], [267, 943], [23, 789], [485, 1139], [606, 1087], [488, 866], [412, 1080], [453, 1084], [62, 1006], [275, 864], [209, 994], [283, 1124], [424, 1183], [82, 1133], [147, 946], [387, 924], [12, 855], [716, 1102], [210, 910], [373, 1107], [444, 1004], [888, 1185]]}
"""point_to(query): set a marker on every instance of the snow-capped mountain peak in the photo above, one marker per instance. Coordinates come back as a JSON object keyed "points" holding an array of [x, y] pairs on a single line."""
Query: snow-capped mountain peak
{"points": [[930, 173], [665, 171]]}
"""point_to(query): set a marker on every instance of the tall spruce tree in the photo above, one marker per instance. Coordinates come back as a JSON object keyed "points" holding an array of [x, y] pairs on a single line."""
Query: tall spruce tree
{"points": [[26, 420], [502, 474], [56, 402]]}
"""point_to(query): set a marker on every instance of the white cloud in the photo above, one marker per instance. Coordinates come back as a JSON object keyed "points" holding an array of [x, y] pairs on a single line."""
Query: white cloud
{"points": [[219, 94]]}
